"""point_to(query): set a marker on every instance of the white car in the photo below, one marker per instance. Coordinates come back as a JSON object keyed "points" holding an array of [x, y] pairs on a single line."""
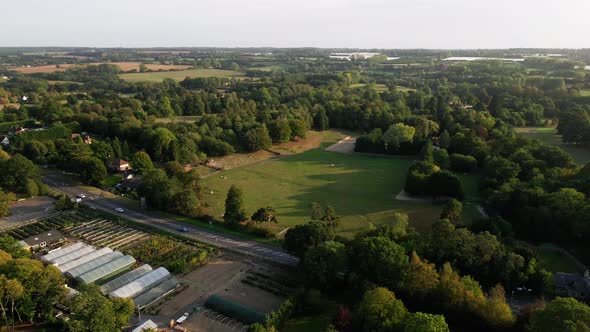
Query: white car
{"points": [[120, 210], [81, 196]]}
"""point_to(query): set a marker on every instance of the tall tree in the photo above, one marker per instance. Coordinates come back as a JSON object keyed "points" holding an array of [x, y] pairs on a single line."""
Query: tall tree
{"points": [[266, 214], [141, 162], [234, 206], [421, 322], [452, 211], [302, 237], [379, 310], [562, 314], [397, 134]]}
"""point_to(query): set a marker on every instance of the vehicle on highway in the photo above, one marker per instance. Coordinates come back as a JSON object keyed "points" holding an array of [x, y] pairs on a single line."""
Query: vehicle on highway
{"points": [[183, 229], [119, 210], [81, 196]]}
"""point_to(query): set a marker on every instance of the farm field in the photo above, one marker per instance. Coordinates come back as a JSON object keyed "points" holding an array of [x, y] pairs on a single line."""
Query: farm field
{"points": [[550, 136], [42, 69], [361, 188], [179, 75], [124, 66]]}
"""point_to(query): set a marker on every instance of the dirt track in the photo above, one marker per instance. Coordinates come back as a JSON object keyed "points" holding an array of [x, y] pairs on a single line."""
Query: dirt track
{"points": [[345, 145]]}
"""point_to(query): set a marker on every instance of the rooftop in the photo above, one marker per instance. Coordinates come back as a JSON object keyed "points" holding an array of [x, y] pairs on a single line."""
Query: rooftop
{"points": [[47, 237]]}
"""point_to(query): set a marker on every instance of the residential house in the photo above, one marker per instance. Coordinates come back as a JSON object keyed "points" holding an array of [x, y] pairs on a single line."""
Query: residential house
{"points": [[84, 137], [4, 140], [119, 165]]}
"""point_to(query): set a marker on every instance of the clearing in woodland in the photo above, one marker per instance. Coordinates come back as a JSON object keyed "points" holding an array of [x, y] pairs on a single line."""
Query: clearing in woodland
{"points": [[361, 188], [549, 135]]}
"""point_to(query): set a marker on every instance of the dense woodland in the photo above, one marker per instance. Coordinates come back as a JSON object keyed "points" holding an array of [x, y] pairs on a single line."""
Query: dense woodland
{"points": [[456, 118]]}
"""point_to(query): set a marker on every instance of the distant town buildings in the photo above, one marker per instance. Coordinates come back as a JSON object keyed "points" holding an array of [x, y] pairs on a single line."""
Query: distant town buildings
{"points": [[352, 55]]}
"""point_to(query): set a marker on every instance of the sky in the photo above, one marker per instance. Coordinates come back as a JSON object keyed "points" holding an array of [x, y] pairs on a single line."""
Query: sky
{"points": [[391, 24]]}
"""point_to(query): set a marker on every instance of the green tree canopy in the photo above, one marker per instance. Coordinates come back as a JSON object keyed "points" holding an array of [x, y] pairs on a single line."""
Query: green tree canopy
{"points": [[234, 206], [562, 314], [141, 162]]}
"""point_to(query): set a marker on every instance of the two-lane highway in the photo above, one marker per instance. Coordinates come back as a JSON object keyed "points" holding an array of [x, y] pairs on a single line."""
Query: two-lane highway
{"points": [[246, 247]]}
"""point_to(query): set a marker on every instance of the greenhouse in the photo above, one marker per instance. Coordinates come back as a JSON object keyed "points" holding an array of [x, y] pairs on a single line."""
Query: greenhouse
{"points": [[107, 270], [62, 251], [141, 284], [72, 256], [125, 279], [84, 259], [93, 264], [156, 292]]}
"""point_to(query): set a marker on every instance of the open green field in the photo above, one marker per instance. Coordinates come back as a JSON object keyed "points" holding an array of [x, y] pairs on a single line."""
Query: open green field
{"points": [[179, 75], [585, 93], [184, 118], [549, 135], [555, 261], [361, 188]]}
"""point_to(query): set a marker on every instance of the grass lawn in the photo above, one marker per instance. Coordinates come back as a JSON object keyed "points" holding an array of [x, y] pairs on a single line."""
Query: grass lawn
{"points": [[318, 322], [307, 323], [585, 93], [555, 261], [549, 135], [361, 188], [179, 75], [111, 181]]}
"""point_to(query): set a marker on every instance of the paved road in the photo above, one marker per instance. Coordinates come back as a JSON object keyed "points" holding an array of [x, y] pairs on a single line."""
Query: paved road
{"points": [[26, 210], [247, 247]]}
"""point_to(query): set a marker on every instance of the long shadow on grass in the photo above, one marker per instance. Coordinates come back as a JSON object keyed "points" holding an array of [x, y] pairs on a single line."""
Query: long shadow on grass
{"points": [[355, 185]]}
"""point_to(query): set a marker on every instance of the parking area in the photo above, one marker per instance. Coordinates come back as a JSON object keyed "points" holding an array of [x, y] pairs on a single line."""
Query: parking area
{"points": [[238, 281], [28, 209]]}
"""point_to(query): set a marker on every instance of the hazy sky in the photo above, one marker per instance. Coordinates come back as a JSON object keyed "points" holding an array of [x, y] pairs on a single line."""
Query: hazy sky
{"points": [[297, 23]]}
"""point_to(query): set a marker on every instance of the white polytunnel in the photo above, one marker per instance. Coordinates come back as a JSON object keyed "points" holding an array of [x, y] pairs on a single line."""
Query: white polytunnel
{"points": [[156, 292], [72, 256], [107, 270], [141, 284], [84, 259], [125, 279], [93, 264], [62, 251]]}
